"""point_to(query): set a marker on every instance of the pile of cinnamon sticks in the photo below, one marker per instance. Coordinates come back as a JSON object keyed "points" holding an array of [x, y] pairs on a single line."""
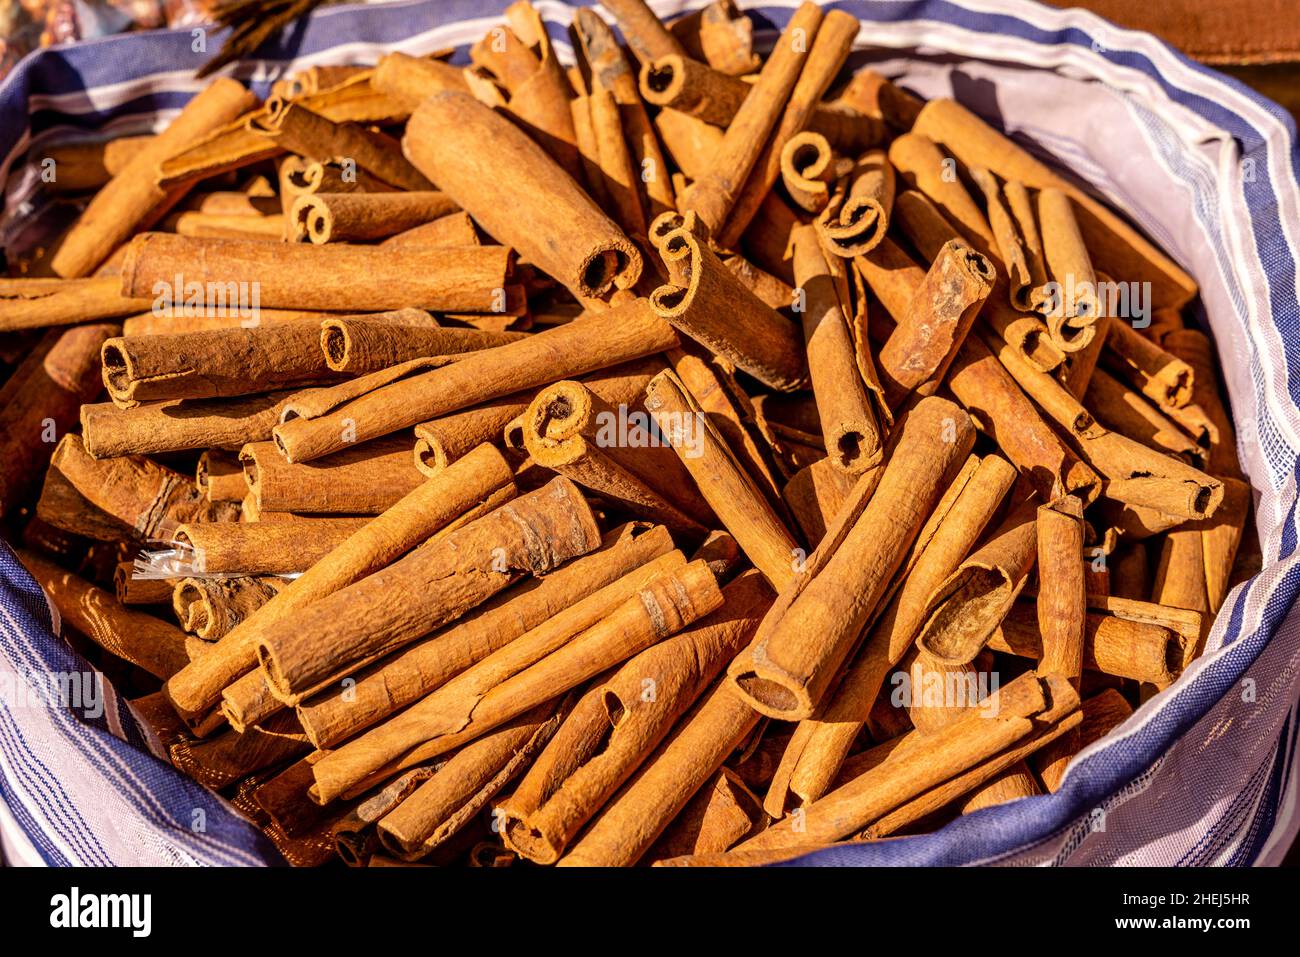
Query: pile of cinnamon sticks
{"points": [[685, 456]]}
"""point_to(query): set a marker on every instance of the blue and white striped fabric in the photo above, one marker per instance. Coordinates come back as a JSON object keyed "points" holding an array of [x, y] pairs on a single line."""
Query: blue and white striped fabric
{"points": [[1204, 774]]}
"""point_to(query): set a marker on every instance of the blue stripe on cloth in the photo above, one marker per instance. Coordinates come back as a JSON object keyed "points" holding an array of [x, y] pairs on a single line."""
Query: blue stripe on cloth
{"points": [[1197, 774], [82, 795]]}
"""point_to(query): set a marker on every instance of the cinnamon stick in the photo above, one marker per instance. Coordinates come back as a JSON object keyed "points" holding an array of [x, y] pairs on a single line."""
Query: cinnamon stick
{"points": [[361, 344], [919, 351], [468, 781], [963, 611], [706, 301], [263, 548], [36, 303], [444, 139], [335, 276], [132, 198], [617, 723], [354, 217], [175, 425], [430, 587], [512, 680], [1012, 218], [643, 31], [82, 166], [957, 524], [570, 429], [807, 167], [479, 480], [1061, 596], [827, 54], [849, 426], [150, 500], [806, 638], [132, 589], [1073, 307], [203, 365], [441, 441], [39, 402], [220, 477], [715, 193], [628, 332], [563, 603], [364, 480], [857, 217], [728, 489], [211, 607], [133, 636], [410, 78], [727, 39], [295, 127], [1159, 375]]}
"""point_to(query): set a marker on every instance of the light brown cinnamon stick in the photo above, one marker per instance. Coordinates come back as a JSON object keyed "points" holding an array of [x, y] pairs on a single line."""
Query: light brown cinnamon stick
{"points": [[134, 636], [827, 53], [705, 300], [428, 588], [717, 190], [468, 781], [563, 603], [857, 217], [806, 638], [39, 402], [628, 332], [512, 680], [570, 429], [729, 490], [957, 524], [264, 548], [133, 198], [335, 276], [925, 761], [479, 480], [293, 126], [203, 365], [353, 217], [150, 500], [617, 723], [35, 303], [444, 139], [849, 426], [631, 822], [211, 607], [175, 425]]}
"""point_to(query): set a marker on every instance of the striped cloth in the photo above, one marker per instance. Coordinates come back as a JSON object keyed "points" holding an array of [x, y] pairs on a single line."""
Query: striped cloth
{"points": [[1204, 774]]}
